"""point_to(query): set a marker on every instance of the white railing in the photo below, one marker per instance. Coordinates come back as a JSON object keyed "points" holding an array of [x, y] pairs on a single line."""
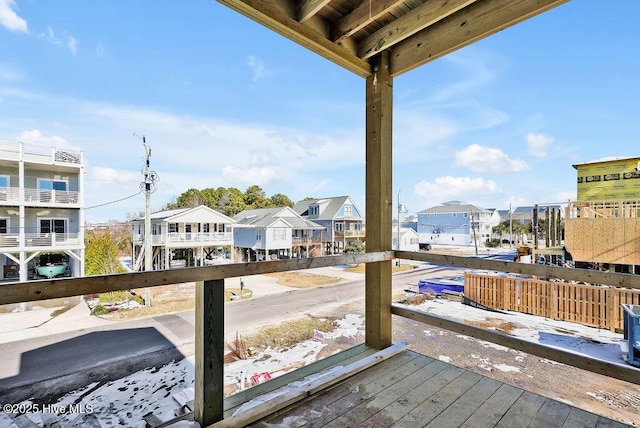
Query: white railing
{"points": [[186, 237], [200, 237], [9, 240], [51, 196], [9, 194], [51, 239]]}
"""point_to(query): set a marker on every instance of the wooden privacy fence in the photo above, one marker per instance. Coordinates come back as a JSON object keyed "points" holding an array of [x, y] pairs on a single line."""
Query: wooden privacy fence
{"points": [[592, 305]]}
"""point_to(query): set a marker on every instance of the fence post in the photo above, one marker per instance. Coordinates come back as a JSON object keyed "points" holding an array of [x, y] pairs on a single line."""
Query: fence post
{"points": [[503, 282], [209, 352], [553, 301]]}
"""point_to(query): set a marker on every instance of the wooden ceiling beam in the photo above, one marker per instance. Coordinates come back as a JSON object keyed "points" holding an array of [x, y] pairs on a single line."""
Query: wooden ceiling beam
{"points": [[277, 16], [308, 8], [408, 24], [361, 16], [475, 22]]}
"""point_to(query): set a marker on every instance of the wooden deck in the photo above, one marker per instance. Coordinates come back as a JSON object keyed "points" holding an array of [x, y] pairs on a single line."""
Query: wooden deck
{"points": [[412, 390]]}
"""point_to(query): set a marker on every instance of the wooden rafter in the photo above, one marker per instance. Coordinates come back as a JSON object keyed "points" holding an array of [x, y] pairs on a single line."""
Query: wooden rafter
{"points": [[477, 21], [409, 24], [363, 15], [308, 8], [350, 32]]}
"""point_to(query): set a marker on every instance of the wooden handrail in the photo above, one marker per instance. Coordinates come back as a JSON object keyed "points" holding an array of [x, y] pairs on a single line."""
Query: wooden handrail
{"points": [[18, 292]]}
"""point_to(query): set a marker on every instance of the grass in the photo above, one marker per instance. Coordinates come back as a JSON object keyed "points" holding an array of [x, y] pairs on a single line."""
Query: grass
{"points": [[166, 299], [304, 280], [289, 333]]}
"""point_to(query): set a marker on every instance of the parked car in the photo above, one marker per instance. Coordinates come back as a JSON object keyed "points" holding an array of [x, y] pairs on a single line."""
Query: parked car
{"points": [[425, 247]]}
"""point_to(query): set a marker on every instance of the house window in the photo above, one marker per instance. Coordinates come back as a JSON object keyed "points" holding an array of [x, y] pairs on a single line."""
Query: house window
{"points": [[4, 181], [339, 227], [466, 215], [205, 227], [348, 211], [45, 184], [279, 234], [156, 229], [454, 215], [4, 225], [173, 227], [55, 225], [259, 235]]}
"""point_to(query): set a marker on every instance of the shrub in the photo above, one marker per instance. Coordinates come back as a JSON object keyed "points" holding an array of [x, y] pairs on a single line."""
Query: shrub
{"points": [[99, 310], [492, 242]]}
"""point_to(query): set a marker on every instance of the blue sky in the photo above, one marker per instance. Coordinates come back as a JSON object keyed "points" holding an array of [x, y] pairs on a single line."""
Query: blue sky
{"points": [[225, 102]]}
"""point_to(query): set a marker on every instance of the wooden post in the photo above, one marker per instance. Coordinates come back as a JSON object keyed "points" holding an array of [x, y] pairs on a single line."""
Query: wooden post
{"points": [[379, 201], [209, 352]]}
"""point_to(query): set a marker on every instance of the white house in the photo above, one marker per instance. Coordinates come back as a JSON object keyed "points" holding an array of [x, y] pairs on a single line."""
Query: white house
{"points": [[184, 237], [41, 217], [273, 233], [409, 239]]}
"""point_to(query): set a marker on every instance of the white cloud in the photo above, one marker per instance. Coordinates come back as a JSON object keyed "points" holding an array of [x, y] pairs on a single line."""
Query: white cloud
{"points": [[537, 144], [250, 176], [64, 41], [9, 19], [260, 71], [36, 138], [456, 188], [486, 159], [73, 45]]}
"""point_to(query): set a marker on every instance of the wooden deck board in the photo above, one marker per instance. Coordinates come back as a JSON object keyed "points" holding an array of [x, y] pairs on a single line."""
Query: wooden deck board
{"points": [[579, 418], [411, 390], [492, 410]]}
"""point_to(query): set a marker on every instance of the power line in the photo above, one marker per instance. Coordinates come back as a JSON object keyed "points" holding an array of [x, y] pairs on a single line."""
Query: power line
{"points": [[113, 202]]}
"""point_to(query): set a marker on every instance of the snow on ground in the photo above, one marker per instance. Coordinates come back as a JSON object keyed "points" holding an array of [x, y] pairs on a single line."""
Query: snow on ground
{"points": [[601, 344], [125, 401]]}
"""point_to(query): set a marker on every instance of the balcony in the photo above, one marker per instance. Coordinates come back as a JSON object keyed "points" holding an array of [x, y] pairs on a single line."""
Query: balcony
{"points": [[434, 388], [46, 197], [182, 238], [11, 241]]}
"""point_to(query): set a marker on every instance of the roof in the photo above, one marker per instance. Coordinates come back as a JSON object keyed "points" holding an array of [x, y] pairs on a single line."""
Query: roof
{"points": [[265, 217], [329, 207], [454, 207], [201, 213], [351, 32], [529, 209], [607, 160]]}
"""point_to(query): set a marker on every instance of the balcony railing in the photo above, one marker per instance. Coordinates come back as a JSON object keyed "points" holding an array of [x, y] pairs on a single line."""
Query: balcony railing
{"points": [[51, 196], [12, 240], [209, 342], [51, 239], [205, 238], [353, 233], [9, 194]]}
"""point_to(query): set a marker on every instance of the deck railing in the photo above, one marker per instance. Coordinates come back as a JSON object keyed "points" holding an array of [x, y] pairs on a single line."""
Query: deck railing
{"points": [[209, 340]]}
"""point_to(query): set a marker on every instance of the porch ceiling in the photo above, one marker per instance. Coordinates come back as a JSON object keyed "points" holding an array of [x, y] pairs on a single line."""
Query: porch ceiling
{"points": [[350, 32]]}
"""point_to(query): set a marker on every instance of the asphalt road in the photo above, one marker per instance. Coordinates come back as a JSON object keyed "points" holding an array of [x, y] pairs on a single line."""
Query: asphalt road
{"points": [[47, 367]]}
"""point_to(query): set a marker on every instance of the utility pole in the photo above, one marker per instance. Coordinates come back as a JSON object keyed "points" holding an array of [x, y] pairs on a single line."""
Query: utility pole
{"points": [[401, 209], [149, 180]]}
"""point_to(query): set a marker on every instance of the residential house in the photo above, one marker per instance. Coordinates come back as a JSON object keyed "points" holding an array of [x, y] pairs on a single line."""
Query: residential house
{"points": [[41, 216], [455, 223], [184, 237], [602, 228], [409, 239], [342, 220], [273, 233]]}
